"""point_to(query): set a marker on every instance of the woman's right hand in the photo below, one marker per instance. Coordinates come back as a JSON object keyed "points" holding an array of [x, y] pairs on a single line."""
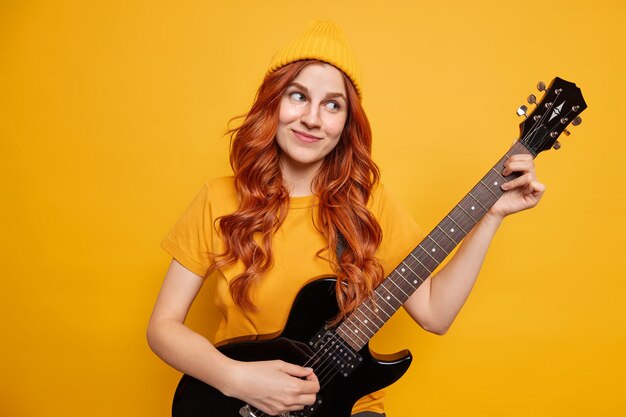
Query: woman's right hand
{"points": [[273, 387]]}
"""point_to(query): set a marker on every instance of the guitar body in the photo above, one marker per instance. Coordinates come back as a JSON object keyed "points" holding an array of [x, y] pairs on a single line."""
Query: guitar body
{"points": [[314, 306]]}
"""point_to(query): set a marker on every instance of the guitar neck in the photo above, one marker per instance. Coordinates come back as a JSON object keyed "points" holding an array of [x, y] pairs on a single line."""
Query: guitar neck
{"points": [[359, 327]]}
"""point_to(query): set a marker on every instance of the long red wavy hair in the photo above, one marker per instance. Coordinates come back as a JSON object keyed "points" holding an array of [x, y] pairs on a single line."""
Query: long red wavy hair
{"points": [[343, 185]]}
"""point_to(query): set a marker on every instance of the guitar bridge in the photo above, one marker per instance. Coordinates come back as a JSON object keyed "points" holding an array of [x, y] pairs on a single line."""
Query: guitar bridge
{"points": [[247, 411]]}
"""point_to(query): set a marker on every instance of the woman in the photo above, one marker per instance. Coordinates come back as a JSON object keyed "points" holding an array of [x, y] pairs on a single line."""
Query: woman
{"points": [[304, 202]]}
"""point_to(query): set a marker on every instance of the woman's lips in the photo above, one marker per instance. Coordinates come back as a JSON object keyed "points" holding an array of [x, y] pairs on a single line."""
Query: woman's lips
{"points": [[305, 137]]}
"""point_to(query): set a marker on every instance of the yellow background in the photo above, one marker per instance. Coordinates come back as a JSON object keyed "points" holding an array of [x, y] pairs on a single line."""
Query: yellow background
{"points": [[112, 115]]}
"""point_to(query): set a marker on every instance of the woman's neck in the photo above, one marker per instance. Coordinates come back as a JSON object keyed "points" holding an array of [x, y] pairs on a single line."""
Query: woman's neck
{"points": [[299, 180], [297, 186]]}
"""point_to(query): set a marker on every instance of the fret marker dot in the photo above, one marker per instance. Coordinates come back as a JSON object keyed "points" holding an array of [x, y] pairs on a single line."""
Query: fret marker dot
{"points": [[452, 230], [356, 330], [414, 281], [388, 298], [495, 183], [365, 322], [376, 310], [433, 249], [473, 207], [403, 269]]}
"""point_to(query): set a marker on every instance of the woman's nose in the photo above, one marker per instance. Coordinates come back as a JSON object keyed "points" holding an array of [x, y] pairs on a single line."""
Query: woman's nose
{"points": [[311, 117]]}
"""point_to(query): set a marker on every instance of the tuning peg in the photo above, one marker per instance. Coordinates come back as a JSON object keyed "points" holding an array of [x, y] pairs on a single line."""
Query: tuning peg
{"points": [[532, 99], [567, 132], [521, 111], [578, 120], [556, 145], [541, 86]]}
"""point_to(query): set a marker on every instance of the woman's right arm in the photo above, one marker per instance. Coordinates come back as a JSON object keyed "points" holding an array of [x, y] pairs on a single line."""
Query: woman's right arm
{"points": [[271, 386]]}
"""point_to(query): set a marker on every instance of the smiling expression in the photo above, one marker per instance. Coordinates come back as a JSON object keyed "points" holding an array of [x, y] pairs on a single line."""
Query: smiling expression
{"points": [[312, 115]]}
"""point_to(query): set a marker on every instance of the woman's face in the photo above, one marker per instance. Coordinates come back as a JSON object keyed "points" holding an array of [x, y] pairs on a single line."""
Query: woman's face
{"points": [[313, 112]]}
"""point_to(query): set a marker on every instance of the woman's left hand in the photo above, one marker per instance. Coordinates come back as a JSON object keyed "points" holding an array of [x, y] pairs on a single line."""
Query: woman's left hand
{"points": [[522, 192]]}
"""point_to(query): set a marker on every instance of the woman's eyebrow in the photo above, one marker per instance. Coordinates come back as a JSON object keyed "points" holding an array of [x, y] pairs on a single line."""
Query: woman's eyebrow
{"points": [[335, 95], [330, 94], [298, 86]]}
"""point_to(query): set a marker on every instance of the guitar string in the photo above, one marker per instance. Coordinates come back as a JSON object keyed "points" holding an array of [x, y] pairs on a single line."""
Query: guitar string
{"points": [[541, 120], [545, 115]]}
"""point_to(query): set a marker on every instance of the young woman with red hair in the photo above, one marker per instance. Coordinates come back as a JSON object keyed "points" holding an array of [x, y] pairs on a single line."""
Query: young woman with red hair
{"points": [[304, 202]]}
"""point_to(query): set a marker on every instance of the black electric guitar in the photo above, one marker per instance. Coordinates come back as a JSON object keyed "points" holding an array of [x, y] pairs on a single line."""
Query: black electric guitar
{"points": [[340, 356]]}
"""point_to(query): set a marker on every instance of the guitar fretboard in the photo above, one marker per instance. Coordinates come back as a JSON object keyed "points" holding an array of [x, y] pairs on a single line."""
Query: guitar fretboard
{"points": [[359, 327]]}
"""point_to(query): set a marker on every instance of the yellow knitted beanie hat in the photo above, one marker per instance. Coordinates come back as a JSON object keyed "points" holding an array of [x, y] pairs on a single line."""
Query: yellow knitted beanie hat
{"points": [[323, 41]]}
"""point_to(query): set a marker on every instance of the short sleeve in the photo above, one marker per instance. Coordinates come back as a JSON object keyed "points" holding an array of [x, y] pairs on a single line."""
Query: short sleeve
{"points": [[189, 241], [400, 232]]}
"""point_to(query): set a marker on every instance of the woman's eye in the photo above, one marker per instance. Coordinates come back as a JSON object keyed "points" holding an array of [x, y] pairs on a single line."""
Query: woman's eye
{"points": [[333, 105], [297, 96]]}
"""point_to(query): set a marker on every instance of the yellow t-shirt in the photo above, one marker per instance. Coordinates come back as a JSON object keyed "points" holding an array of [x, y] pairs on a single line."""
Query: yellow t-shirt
{"points": [[295, 245]]}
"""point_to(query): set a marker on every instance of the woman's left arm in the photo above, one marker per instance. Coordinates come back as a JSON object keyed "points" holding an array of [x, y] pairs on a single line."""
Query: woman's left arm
{"points": [[439, 299]]}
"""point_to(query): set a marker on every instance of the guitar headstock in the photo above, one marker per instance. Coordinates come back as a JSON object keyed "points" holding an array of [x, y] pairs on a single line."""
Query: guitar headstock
{"points": [[560, 106]]}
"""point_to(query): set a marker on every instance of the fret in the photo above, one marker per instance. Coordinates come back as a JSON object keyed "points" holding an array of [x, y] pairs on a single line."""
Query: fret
{"points": [[399, 287], [458, 225], [428, 253], [438, 245], [418, 265], [363, 324], [383, 305], [424, 266], [452, 243], [390, 292], [372, 317], [406, 281], [414, 273], [478, 201], [488, 188], [451, 230], [468, 214], [374, 309], [437, 255], [366, 320], [354, 330], [386, 300], [343, 331], [493, 183], [499, 174], [362, 340], [462, 219], [474, 207], [426, 260]]}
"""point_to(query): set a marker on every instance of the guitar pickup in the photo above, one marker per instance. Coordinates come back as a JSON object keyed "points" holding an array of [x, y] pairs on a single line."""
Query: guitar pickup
{"points": [[330, 348]]}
